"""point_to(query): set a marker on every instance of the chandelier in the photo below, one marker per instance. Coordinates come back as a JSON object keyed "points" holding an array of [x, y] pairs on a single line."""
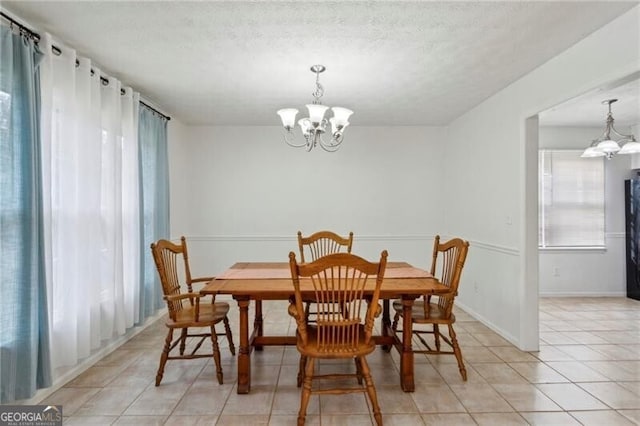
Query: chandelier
{"points": [[611, 141], [314, 126]]}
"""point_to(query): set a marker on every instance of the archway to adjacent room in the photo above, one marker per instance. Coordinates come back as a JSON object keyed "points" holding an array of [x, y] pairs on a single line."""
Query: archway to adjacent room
{"points": [[585, 272]]}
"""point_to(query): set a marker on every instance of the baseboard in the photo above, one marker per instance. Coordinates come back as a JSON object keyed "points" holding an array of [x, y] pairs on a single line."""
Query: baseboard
{"points": [[88, 362], [584, 294], [489, 324]]}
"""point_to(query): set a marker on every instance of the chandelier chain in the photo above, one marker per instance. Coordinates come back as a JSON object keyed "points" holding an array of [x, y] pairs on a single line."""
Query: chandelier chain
{"points": [[319, 92]]}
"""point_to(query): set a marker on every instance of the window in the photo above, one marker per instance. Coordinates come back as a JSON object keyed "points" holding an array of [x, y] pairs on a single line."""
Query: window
{"points": [[571, 200]]}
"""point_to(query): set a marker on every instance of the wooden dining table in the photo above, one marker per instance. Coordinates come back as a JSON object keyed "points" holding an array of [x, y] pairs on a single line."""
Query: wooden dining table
{"points": [[258, 281]]}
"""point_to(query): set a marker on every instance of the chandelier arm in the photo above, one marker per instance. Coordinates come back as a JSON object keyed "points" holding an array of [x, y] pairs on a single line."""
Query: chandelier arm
{"points": [[333, 146], [337, 138], [311, 142], [622, 136], [289, 138], [603, 137], [330, 150]]}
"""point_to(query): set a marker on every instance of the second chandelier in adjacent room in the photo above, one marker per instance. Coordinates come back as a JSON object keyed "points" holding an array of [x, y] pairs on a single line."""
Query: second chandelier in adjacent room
{"points": [[611, 141]]}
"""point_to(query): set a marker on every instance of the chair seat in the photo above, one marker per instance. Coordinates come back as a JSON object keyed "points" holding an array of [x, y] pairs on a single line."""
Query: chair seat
{"points": [[210, 313], [311, 348], [436, 314]]}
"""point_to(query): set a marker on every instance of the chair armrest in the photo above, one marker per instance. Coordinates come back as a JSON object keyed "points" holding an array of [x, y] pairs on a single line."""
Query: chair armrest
{"points": [[192, 297], [181, 296], [301, 322], [202, 279], [448, 295]]}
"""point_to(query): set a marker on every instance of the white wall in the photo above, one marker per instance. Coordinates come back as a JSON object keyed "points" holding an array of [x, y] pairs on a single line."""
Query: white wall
{"points": [[488, 197], [249, 193], [590, 272]]}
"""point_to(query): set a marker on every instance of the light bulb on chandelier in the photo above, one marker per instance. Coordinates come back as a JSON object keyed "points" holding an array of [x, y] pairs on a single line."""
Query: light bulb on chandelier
{"points": [[314, 126], [606, 145]]}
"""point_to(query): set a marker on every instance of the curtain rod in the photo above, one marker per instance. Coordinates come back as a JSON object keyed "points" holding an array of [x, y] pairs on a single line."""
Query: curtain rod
{"points": [[166, 117], [56, 50]]}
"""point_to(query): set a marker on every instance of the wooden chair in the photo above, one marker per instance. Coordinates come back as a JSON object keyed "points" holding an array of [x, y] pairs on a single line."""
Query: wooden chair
{"points": [[449, 258], [186, 310], [323, 243], [344, 325], [320, 244]]}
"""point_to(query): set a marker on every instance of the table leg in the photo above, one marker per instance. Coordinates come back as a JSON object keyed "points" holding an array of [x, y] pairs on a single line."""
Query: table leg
{"points": [[257, 322], [244, 352], [386, 322], [406, 357]]}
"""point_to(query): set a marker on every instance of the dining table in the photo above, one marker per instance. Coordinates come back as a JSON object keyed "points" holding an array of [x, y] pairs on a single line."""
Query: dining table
{"points": [[258, 281]]}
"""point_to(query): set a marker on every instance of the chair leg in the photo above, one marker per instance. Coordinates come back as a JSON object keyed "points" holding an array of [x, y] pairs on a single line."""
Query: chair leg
{"points": [[306, 391], [164, 356], [371, 390], [436, 336], [227, 331], [301, 368], [457, 352], [183, 340], [394, 325], [216, 354], [358, 369]]}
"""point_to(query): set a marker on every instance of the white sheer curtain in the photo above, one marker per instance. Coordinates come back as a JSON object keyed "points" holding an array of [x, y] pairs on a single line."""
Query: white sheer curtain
{"points": [[91, 206]]}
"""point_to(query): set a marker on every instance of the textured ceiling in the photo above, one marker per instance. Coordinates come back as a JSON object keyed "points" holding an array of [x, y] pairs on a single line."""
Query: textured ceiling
{"points": [[588, 109], [393, 63]]}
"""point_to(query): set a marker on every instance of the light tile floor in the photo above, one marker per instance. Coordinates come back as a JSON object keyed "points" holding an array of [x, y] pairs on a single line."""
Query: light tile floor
{"points": [[586, 372]]}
